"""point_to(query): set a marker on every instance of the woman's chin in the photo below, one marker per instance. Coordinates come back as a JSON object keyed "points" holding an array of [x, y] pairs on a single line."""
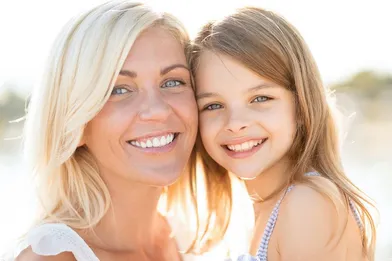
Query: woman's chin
{"points": [[162, 180]]}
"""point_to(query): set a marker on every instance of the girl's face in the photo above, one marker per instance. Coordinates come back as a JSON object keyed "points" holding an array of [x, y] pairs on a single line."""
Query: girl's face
{"points": [[146, 131], [247, 123]]}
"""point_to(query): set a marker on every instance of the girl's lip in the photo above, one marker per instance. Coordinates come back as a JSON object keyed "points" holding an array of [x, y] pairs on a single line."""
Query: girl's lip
{"points": [[242, 140], [243, 154]]}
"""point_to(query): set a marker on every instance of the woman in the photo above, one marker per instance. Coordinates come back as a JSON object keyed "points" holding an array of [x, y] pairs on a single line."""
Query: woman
{"points": [[111, 126], [264, 116]]}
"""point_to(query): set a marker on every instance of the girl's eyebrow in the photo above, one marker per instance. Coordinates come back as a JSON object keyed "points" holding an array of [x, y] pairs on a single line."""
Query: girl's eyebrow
{"points": [[262, 86], [205, 95], [252, 89]]}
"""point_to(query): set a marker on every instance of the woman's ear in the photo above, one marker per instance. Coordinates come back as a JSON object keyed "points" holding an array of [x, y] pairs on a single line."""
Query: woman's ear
{"points": [[81, 142]]}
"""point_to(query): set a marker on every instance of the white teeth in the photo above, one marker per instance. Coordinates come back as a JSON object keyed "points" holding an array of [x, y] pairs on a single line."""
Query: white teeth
{"points": [[244, 146], [155, 142], [169, 138]]}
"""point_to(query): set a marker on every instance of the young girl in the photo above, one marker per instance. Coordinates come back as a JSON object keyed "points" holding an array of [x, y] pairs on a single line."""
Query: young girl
{"points": [[264, 116], [112, 125]]}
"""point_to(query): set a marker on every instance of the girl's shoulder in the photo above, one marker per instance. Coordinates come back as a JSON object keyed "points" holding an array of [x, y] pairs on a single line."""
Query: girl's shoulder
{"points": [[316, 200], [312, 218]]}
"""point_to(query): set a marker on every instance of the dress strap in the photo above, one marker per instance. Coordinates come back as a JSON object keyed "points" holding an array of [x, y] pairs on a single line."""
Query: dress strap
{"points": [[263, 248]]}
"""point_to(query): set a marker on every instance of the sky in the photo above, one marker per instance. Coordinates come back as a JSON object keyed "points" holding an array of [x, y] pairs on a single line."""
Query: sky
{"points": [[344, 36]]}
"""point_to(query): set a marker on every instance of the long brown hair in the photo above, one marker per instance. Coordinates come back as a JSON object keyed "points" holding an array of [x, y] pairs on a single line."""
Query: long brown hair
{"points": [[271, 47]]}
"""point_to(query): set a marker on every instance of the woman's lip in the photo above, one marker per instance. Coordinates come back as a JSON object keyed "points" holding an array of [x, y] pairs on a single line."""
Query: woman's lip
{"points": [[157, 150], [154, 135]]}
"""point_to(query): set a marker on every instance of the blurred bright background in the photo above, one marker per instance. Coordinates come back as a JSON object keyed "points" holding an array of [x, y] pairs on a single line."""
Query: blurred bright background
{"points": [[352, 44]]}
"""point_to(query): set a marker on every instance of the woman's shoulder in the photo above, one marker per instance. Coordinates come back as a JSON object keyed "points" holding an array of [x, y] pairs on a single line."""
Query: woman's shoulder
{"points": [[57, 242], [29, 255]]}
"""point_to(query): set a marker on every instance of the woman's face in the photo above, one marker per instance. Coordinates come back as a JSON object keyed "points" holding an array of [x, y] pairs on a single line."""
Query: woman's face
{"points": [[247, 123], [147, 129]]}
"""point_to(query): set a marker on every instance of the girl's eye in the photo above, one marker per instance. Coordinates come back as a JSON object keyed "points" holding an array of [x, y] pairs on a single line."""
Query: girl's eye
{"points": [[172, 83], [213, 106], [261, 99], [120, 90]]}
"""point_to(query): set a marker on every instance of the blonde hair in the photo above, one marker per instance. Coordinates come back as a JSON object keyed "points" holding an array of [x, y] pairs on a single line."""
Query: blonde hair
{"points": [[82, 68], [271, 47]]}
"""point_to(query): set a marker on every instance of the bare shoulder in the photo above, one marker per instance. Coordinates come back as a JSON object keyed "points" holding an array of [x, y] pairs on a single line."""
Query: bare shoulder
{"points": [[319, 195], [312, 220], [306, 205], [29, 255]]}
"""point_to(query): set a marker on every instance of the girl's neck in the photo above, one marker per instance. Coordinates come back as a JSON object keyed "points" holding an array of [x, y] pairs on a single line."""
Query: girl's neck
{"points": [[266, 186]]}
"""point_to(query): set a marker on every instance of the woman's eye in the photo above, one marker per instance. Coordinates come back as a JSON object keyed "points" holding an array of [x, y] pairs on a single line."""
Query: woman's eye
{"points": [[120, 90], [172, 83], [261, 99], [212, 107]]}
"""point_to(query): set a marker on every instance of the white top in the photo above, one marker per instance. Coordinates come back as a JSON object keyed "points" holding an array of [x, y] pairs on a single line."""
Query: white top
{"points": [[53, 239]]}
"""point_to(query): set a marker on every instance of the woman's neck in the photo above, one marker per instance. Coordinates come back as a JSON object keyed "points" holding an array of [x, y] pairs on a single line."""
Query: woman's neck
{"points": [[132, 223]]}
